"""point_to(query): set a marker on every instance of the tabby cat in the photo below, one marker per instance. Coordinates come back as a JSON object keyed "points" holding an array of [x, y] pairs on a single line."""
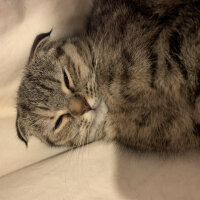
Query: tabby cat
{"points": [[133, 76]]}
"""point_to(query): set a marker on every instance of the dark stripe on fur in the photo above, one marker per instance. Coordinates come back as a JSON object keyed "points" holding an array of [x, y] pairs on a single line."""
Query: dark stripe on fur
{"points": [[175, 42], [60, 52], [169, 66], [24, 107], [197, 92], [126, 57], [110, 76], [44, 87], [140, 8], [197, 129], [170, 15], [79, 47], [128, 96], [92, 55], [81, 50], [153, 68], [143, 120], [51, 79], [29, 76], [127, 62]]}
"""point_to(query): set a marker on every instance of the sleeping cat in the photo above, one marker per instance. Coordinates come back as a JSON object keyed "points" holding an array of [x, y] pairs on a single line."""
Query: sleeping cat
{"points": [[133, 76]]}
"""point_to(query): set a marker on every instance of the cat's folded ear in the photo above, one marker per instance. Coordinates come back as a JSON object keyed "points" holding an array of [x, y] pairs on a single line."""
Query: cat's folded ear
{"points": [[38, 40], [21, 131]]}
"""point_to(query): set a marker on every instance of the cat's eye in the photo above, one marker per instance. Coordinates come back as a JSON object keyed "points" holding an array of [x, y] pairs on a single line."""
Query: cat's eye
{"points": [[60, 119], [66, 79]]}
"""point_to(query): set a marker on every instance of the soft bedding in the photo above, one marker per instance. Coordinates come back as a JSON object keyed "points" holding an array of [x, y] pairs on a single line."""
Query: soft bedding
{"points": [[101, 172]]}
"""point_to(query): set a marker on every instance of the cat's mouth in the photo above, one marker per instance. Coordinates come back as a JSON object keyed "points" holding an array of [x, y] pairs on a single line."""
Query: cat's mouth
{"points": [[93, 111], [99, 111], [98, 115], [97, 108]]}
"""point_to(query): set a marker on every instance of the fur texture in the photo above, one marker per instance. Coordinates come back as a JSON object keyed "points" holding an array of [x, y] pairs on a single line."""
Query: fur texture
{"points": [[133, 76]]}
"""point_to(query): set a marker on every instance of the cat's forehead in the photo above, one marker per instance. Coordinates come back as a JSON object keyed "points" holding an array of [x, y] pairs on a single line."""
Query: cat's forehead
{"points": [[44, 55], [45, 64]]}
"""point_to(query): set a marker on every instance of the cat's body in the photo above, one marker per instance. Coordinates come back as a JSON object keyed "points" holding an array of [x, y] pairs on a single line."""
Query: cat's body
{"points": [[137, 66]]}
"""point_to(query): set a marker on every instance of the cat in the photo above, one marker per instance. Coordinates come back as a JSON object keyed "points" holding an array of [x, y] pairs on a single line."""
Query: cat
{"points": [[132, 76]]}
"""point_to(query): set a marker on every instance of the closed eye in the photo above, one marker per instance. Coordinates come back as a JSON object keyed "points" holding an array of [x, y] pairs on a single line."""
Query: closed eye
{"points": [[60, 119], [66, 79]]}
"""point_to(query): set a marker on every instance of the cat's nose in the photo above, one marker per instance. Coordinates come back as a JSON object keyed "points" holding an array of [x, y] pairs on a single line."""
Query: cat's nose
{"points": [[86, 108], [78, 105]]}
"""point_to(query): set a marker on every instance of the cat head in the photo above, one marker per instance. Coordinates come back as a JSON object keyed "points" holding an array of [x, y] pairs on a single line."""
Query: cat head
{"points": [[58, 99]]}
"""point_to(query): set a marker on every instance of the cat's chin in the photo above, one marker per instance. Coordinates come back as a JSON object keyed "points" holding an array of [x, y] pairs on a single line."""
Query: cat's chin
{"points": [[89, 116], [99, 115]]}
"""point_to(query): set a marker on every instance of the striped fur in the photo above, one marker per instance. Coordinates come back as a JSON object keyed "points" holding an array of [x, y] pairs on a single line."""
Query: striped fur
{"points": [[136, 67]]}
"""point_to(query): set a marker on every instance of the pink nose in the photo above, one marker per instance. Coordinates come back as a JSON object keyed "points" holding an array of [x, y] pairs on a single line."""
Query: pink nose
{"points": [[86, 108]]}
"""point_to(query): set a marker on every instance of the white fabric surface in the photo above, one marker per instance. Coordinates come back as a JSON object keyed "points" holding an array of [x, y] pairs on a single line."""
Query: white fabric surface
{"points": [[99, 171]]}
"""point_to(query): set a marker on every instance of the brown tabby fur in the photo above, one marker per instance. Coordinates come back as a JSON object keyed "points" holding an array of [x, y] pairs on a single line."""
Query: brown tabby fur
{"points": [[133, 77]]}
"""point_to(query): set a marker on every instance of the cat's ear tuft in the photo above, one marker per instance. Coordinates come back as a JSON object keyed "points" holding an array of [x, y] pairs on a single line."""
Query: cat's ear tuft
{"points": [[20, 131], [39, 38]]}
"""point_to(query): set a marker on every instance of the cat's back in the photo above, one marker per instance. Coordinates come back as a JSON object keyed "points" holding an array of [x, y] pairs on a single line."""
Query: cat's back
{"points": [[147, 65], [147, 44]]}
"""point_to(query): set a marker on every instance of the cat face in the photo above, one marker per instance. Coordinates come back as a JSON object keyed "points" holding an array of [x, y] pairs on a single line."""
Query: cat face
{"points": [[58, 99]]}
